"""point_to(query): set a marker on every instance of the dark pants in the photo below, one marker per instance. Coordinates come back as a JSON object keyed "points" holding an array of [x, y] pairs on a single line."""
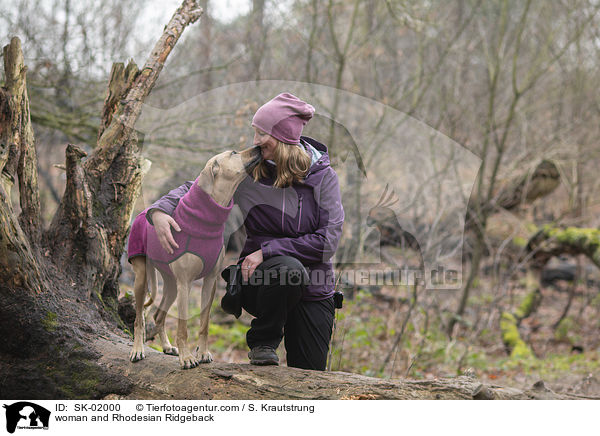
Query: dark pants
{"points": [[274, 296]]}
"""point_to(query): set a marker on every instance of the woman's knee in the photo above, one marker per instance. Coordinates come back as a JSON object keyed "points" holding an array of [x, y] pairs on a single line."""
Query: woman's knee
{"points": [[287, 270], [279, 262]]}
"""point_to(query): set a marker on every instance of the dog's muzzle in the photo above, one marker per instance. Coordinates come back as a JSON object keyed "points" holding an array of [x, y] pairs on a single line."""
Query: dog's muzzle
{"points": [[256, 158]]}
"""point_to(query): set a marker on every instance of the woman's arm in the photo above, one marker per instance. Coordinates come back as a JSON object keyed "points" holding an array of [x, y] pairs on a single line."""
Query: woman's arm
{"points": [[167, 203], [159, 215], [320, 245]]}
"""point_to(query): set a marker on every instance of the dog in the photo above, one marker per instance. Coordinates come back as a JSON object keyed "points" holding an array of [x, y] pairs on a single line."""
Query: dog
{"points": [[201, 215]]}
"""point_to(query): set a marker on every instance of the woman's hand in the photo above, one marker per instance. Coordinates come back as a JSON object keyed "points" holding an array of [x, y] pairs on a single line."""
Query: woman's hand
{"points": [[250, 263], [162, 224]]}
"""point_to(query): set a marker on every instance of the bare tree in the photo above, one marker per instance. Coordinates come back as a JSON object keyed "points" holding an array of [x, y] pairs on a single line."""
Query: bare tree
{"points": [[503, 46]]}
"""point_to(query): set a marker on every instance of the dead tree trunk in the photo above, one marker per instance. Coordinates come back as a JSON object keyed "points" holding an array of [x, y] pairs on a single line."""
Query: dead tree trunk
{"points": [[59, 287], [528, 187]]}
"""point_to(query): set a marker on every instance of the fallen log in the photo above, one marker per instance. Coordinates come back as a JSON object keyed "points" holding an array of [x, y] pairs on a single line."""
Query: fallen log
{"points": [[159, 377], [552, 241]]}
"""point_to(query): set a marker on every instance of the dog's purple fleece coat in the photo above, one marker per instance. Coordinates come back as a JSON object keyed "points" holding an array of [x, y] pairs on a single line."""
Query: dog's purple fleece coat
{"points": [[202, 222]]}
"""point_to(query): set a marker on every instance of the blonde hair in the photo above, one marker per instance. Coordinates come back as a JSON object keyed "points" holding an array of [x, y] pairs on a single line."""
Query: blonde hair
{"points": [[292, 165]]}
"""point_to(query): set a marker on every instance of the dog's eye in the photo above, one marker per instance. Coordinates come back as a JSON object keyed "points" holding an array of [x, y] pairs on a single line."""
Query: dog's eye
{"points": [[234, 152]]}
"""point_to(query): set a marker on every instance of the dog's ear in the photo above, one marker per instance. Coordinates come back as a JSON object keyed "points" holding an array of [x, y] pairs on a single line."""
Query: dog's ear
{"points": [[206, 178]]}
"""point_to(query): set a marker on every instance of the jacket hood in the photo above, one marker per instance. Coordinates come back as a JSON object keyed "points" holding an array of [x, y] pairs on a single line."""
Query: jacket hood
{"points": [[324, 159], [320, 167]]}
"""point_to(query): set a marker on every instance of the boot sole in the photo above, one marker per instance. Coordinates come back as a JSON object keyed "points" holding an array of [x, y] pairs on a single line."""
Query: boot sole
{"points": [[264, 362]]}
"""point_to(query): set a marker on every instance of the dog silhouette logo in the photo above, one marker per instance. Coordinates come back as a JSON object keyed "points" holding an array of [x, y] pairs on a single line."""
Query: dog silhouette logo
{"points": [[26, 415]]}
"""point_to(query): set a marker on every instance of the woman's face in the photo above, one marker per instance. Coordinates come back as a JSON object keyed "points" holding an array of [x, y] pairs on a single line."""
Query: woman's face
{"points": [[266, 143]]}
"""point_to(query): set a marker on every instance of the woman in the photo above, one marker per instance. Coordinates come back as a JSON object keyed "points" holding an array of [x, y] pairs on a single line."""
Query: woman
{"points": [[293, 221]]}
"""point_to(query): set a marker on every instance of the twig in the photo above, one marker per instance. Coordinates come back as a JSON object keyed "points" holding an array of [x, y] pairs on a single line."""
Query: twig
{"points": [[400, 333]]}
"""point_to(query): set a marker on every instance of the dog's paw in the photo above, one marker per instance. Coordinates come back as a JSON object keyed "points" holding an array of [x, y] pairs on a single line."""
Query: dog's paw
{"points": [[189, 362], [136, 356], [203, 357], [171, 351]]}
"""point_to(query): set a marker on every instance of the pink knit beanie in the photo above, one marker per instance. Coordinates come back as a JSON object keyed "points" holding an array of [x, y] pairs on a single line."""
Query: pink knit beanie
{"points": [[283, 117]]}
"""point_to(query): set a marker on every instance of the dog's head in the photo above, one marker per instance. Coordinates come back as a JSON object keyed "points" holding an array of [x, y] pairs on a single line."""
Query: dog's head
{"points": [[225, 171]]}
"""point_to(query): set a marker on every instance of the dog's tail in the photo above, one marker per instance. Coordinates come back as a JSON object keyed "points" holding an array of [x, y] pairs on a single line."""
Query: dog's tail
{"points": [[151, 274]]}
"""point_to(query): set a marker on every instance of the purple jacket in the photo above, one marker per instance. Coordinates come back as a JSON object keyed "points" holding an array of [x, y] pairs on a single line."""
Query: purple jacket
{"points": [[303, 221]]}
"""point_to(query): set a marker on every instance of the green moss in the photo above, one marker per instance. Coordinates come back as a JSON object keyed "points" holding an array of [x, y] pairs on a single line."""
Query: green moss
{"points": [[528, 304], [521, 351], [575, 235], [508, 327], [549, 229], [89, 384], [519, 241], [531, 227], [75, 379], [85, 380], [512, 338], [49, 322], [585, 240], [67, 391]]}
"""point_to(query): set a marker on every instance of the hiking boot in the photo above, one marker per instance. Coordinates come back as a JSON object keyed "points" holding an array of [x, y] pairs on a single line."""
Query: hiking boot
{"points": [[263, 355]]}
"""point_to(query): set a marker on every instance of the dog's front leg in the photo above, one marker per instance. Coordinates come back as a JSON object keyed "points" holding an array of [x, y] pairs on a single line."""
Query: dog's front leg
{"points": [[186, 358], [208, 293]]}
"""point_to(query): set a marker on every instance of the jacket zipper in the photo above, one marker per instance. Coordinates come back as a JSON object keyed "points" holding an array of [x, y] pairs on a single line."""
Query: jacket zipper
{"points": [[283, 211], [299, 212]]}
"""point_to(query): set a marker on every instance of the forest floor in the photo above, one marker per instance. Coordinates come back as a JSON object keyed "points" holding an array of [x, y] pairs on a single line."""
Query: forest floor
{"points": [[566, 358]]}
